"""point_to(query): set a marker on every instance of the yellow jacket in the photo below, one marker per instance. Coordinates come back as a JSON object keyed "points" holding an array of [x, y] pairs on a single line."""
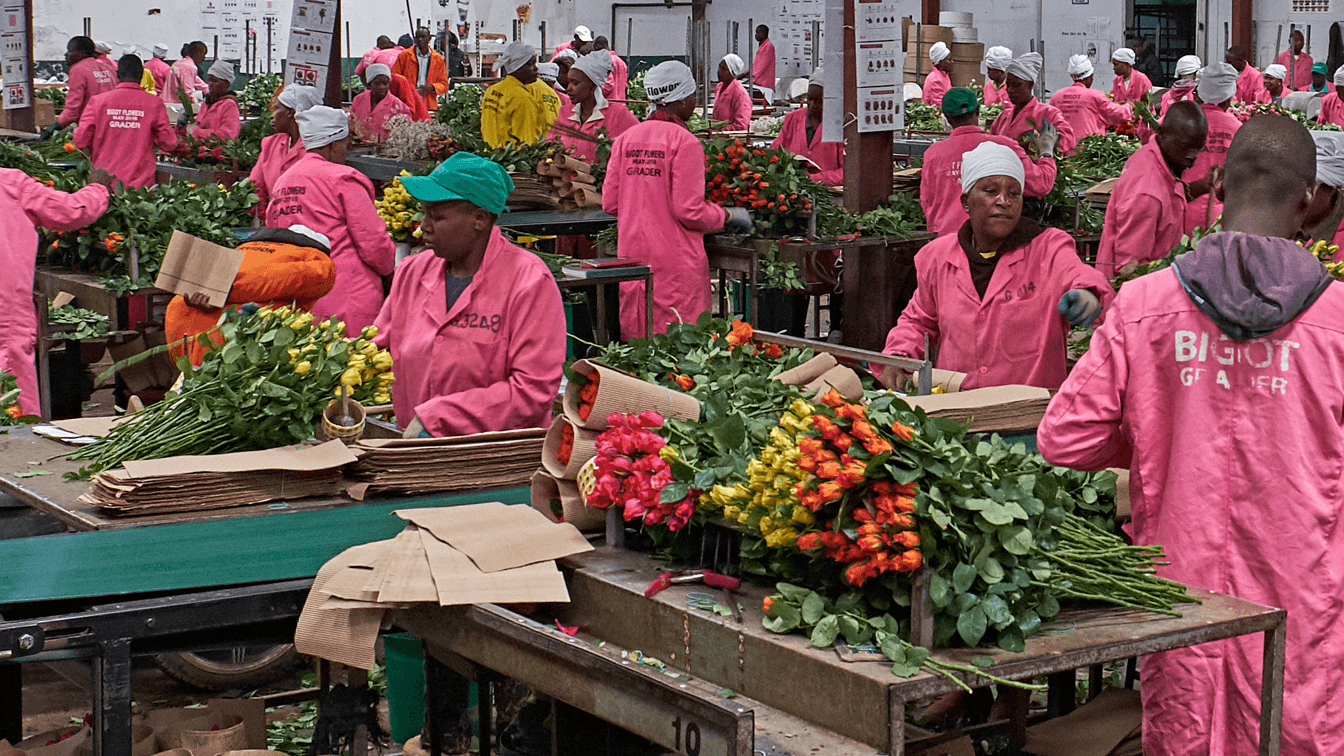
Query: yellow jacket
{"points": [[514, 113], [147, 81]]}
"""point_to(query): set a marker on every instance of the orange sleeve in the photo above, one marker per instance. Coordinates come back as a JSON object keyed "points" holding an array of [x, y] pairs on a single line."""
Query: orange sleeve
{"points": [[182, 321], [438, 74], [402, 68]]}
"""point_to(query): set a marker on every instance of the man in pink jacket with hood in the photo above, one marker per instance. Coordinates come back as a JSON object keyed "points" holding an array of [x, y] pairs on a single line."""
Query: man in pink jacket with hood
{"points": [[321, 192], [124, 125], [1218, 383], [475, 325]]}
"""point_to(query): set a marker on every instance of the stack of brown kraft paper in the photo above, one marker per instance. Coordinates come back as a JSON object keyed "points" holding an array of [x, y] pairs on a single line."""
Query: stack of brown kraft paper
{"points": [[217, 481], [994, 409], [1108, 725], [572, 182], [821, 374], [450, 556], [503, 459]]}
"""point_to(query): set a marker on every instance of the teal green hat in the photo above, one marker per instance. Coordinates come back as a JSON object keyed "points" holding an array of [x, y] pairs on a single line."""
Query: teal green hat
{"points": [[959, 101], [1320, 68], [463, 176]]}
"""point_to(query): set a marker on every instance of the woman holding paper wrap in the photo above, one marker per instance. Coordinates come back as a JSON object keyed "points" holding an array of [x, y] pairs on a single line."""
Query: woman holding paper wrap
{"points": [[587, 111], [997, 298], [219, 115], [475, 325]]}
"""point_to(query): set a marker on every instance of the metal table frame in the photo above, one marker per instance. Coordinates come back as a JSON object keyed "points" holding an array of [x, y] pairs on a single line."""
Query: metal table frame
{"points": [[601, 332]]}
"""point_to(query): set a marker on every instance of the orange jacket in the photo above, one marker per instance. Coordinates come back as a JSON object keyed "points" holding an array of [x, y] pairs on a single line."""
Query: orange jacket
{"points": [[407, 65], [274, 272]]}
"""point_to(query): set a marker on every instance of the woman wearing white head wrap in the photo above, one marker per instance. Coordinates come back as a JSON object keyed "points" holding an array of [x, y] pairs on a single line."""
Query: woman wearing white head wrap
{"points": [[1217, 84], [1183, 88], [1129, 85], [655, 186], [585, 111], [1025, 114], [939, 80], [801, 134], [1188, 66], [997, 297], [548, 72], [1088, 110], [564, 59], [219, 115], [996, 63], [1332, 108], [1080, 67], [1324, 216], [372, 108], [158, 67], [595, 68], [333, 199], [282, 149], [521, 108], [1274, 76], [732, 104]]}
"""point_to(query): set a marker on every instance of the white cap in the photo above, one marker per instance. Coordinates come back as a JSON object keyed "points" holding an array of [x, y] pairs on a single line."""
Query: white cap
{"points": [[596, 67], [669, 81], [515, 56], [1188, 64], [1080, 67], [736, 66], [102, 46], [990, 159], [998, 58], [374, 70], [1123, 55], [939, 52], [913, 91], [1217, 83], [1329, 157], [547, 72], [299, 98], [221, 69], [583, 33], [1276, 71], [1026, 68], [567, 54], [320, 125], [160, 50], [1339, 76], [304, 231], [818, 78]]}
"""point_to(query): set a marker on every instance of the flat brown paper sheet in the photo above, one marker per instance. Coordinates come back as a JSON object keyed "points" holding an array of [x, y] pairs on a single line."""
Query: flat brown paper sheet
{"points": [[345, 636], [459, 581], [93, 427], [406, 572], [191, 265], [499, 536], [1097, 728], [310, 458], [995, 408]]}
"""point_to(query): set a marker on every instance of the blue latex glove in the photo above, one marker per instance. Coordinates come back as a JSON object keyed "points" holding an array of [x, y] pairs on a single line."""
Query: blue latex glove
{"points": [[1080, 307], [738, 221]]}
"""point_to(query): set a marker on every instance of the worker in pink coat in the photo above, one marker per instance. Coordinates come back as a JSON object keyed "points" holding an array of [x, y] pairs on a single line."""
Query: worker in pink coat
{"points": [[321, 192], [1217, 383], [939, 79], [586, 112], [1025, 113], [1145, 216], [1296, 63], [1129, 85], [997, 297], [1183, 86], [1087, 110], [29, 203], [655, 186], [997, 59], [1250, 82], [732, 104], [1332, 107], [1325, 220], [384, 51], [158, 68], [284, 148], [371, 109], [940, 177], [763, 63], [613, 87], [218, 116], [123, 126], [801, 134], [88, 77], [1217, 86], [185, 76], [475, 325], [581, 44]]}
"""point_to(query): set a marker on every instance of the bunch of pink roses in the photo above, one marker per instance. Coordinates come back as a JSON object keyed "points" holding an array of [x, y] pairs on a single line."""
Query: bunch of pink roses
{"points": [[632, 469]]}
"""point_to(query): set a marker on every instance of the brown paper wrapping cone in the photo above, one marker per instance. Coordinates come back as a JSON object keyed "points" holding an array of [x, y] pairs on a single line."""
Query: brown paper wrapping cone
{"points": [[143, 740], [37, 744], [625, 394], [581, 177], [585, 198], [841, 379], [548, 167], [949, 380], [585, 448], [573, 164], [231, 736], [808, 371], [570, 188], [546, 487]]}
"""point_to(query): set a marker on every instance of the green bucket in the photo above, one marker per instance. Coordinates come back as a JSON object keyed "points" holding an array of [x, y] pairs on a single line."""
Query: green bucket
{"points": [[404, 655]]}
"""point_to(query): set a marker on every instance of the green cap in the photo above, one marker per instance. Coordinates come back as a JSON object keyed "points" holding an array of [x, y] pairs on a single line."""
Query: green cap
{"points": [[1320, 68], [959, 101], [463, 176]]}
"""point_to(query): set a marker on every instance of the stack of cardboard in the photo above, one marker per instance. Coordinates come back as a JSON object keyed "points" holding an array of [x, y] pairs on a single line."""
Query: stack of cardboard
{"points": [[996, 409], [449, 556], [217, 481], [455, 463], [572, 182]]}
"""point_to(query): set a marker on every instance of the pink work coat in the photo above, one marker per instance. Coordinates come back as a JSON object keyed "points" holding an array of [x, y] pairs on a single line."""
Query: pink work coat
{"points": [[733, 105], [569, 45], [1222, 127], [615, 118], [123, 126], [376, 55], [1015, 334], [655, 186], [1014, 121], [337, 201], [1145, 217], [29, 203], [1298, 77], [372, 121], [1172, 96], [1133, 90], [994, 94], [763, 66], [105, 61], [614, 87], [1088, 110], [183, 75], [1332, 109], [940, 177], [277, 155], [829, 156], [218, 120], [936, 84], [159, 70], [1235, 450], [87, 78], [1250, 83], [493, 362]]}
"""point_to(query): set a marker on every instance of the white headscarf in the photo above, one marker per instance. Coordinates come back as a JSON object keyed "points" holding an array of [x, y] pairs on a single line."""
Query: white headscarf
{"points": [[1123, 55], [1339, 76], [913, 91], [160, 50], [102, 46], [1277, 71], [1080, 67], [990, 159], [221, 69], [374, 70], [320, 125], [1329, 157], [596, 67], [514, 57], [736, 66], [567, 54], [817, 79], [939, 52], [299, 98], [998, 58], [1026, 68], [669, 81], [547, 72], [1217, 82], [1188, 64]]}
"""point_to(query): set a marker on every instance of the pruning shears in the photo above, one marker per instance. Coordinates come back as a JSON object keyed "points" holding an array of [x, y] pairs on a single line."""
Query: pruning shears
{"points": [[708, 577]]}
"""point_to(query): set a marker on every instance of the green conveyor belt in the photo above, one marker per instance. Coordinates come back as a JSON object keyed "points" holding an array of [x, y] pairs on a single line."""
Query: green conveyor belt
{"points": [[280, 546]]}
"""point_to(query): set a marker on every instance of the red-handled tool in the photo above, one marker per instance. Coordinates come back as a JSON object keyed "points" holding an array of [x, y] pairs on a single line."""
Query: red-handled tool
{"points": [[708, 577]]}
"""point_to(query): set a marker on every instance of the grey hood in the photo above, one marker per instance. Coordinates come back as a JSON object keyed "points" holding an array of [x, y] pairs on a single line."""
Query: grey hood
{"points": [[1250, 285]]}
